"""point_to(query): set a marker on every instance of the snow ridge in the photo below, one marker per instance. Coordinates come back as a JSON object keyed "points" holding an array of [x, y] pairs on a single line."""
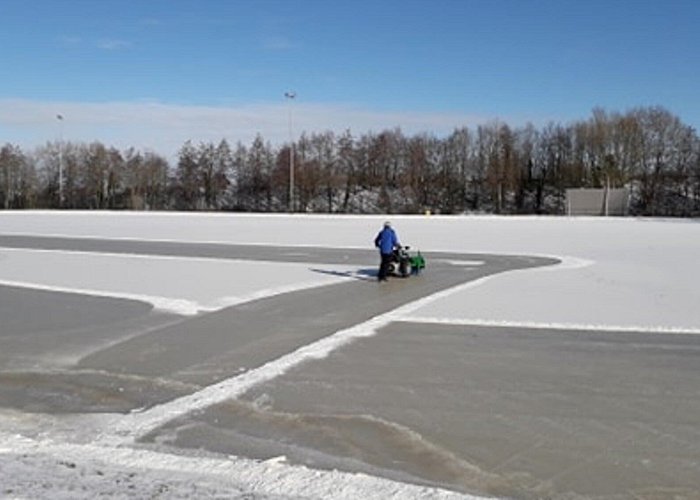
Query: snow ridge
{"points": [[72, 471], [554, 326]]}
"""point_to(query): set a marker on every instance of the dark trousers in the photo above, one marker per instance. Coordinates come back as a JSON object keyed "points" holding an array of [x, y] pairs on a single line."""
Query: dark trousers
{"points": [[384, 266]]}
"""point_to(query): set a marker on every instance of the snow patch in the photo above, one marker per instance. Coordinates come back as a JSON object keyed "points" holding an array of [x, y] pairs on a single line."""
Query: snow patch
{"points": [[465, 263], [84, 471], [553, 326]]}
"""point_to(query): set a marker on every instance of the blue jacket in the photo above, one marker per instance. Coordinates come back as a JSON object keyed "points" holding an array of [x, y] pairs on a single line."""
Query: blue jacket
{"points": [[386, 240]]}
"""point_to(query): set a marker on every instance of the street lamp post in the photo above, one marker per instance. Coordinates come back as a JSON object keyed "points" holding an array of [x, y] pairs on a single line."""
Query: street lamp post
{"points": [[290, 97], [60, 161]]}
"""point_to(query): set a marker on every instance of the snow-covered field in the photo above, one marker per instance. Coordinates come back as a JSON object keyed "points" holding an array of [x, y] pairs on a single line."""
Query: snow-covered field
{"points": [[616, 275]]}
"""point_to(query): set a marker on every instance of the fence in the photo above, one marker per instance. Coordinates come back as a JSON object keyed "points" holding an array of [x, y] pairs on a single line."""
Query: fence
{"points": [[597, 201]]}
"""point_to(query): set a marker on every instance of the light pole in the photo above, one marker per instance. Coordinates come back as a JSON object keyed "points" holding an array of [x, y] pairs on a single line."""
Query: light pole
{"points": [[290, 97], [60, 161]]}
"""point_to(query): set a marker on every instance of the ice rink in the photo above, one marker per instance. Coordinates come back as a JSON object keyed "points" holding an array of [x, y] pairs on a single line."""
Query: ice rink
{"points": [[534, 358]]}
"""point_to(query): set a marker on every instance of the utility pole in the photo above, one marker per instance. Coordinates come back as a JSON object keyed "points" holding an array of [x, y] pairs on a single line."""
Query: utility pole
{"points": [[607, 195], [290, 97]]}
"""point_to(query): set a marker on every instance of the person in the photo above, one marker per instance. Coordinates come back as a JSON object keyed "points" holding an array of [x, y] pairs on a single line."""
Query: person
{"points": [[386, 241]]}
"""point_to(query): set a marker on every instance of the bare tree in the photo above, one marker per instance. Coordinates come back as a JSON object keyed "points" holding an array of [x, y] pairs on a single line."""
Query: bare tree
{"points": [[323, 148], [145, 181], [459, 161], [17, 178], [99, 172], [347, 167], [187, 186], [255, 182], [212, 164]]}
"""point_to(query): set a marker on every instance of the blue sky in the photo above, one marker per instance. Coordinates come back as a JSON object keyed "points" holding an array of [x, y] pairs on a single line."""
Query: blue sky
{"points": [[160, 71]]}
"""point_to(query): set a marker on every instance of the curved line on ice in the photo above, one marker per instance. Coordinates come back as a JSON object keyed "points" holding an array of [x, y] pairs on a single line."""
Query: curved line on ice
{"points": [[177, 306]]}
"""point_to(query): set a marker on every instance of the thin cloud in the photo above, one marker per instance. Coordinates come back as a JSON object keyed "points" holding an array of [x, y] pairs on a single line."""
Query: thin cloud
{"points": [[110, 44], [278, 43], [164, 128], [70, 41], [149, 22]]}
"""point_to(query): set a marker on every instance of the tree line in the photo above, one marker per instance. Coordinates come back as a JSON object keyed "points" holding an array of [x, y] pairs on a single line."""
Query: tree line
{"points": [[493, 168]]}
